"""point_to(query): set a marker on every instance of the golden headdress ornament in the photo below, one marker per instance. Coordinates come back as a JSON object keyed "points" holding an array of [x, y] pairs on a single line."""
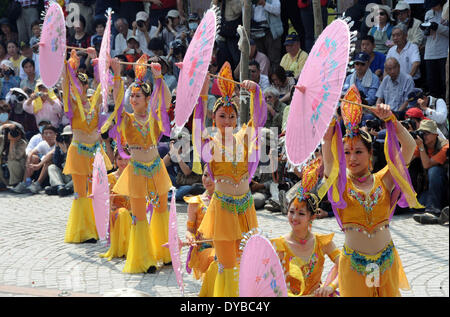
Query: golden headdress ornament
{"points": [[352, 115], [310, 177], [226, 88], [140, 70]]}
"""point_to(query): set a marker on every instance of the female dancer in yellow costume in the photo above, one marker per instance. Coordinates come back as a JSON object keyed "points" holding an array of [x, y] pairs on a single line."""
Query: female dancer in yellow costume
{"points": [[84, 115], [301, 251], [145, 177], [200, 255], [231, 212], [120, 218], [363, 202]]}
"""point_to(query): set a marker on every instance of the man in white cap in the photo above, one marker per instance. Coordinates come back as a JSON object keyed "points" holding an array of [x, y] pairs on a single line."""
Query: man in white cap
{"points": [[172, 29], [45, 105], [9, 80], [143, 31], [402, 13]]}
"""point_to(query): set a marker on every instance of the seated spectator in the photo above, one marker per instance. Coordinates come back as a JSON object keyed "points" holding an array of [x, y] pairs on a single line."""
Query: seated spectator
{"points": [[395, 88], [60, 184], [12, 153], [176, 55], [123, 34], [179, 163], [99, 27], [170, 79], [29, 53], [171, 29], [282, 83], [256, 76], [16, 98], [366, 81], [37, 162], [9, 79], [275, 109], [376, 59], [267, 28], [193, 22], [45, 105], [28, 84], [3, 52], [432, 151], [436, 48], [295, 58], [414, 116], [133, 51], [382, 30], [435, 109], [37, 138], [36, 31], [256, 55], [156, 47], [79, 37], [143, 31], [406, 53], [7, 34], [402, 13]]}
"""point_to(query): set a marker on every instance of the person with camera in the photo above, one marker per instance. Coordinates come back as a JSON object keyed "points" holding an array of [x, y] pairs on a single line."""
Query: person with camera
{"points": [[366, 81], [435, 109], [44, 105], [171, 29], [8, 78], [436, 48], [12, 149], [143, 31], [15, 98], [295, 57], [132, 52], [176, 55], [402, 14], [60, 184], [432, 151]]}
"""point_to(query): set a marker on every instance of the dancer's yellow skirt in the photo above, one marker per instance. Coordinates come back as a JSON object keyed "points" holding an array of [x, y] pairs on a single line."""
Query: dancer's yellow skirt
{"points": [[229, 217], [209, 279], [379, 275], [80, 158], [140, 255], [201, 258], [81, 223], [120, 226], [159, 232]]}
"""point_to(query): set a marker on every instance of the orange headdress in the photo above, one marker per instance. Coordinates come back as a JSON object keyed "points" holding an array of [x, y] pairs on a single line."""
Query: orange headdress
{"points": [[140, 70], [310, 177], [226, 88]]}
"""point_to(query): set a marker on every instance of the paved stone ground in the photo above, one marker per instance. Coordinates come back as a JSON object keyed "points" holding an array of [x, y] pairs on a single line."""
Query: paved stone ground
{"points": [[34, 260]]}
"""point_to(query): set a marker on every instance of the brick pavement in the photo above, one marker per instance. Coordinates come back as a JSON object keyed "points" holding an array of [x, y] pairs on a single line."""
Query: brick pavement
{"points": [[34, 260]]}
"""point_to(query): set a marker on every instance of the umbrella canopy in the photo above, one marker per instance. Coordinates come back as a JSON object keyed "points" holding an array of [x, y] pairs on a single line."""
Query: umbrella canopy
{"points": [[104, 61], [100, 195], [261, 273], [195, 68], [320, 84], [52, 45]]}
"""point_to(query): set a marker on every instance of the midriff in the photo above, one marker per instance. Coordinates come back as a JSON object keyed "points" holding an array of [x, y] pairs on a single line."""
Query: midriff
{"points": [[142, 154], [359, 241], [233, 189], [85, 137]]}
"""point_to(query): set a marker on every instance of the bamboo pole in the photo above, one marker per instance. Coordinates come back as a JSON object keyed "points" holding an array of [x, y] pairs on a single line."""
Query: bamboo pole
{"points": [[357, 104]]}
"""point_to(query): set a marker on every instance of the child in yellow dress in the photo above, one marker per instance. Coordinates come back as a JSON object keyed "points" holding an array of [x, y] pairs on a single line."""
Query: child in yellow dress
{"points": [[120, 217], [145, 179]]}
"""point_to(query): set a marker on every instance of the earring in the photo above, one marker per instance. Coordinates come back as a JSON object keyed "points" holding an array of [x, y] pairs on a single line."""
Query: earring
{"points": [[370, 165]]}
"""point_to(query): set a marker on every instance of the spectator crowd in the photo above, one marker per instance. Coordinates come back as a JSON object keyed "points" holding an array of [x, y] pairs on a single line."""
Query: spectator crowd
{"points": [[401, 59]]}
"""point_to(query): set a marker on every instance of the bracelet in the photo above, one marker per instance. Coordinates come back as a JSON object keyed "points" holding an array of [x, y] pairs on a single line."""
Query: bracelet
{"points": [[117, 77], [392, 118], [160, 76]]}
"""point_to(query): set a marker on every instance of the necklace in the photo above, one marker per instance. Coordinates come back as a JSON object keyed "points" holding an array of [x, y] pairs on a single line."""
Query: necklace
{"points": [[361, 179], [301, 241]]}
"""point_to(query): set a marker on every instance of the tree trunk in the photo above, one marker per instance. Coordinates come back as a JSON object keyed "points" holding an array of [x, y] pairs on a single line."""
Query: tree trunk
{"points": [[318, 25], [243, 68]]}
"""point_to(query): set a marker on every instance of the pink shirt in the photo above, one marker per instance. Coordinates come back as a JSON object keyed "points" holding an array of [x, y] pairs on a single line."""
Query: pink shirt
{"points": [[49, 112]]}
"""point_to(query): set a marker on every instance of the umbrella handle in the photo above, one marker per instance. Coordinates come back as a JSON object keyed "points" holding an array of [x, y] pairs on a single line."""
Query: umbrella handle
{"points": [[357, 104], [133, 63], [227, 79], [76, 48]]}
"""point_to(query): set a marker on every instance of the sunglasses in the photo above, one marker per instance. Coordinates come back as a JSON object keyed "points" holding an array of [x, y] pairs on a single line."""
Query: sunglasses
{"points": [[382, 13], [360, 64]]}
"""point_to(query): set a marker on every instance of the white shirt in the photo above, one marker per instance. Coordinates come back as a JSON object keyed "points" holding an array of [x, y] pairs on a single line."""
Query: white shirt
{"points": [[43, 148], [35, 58], [263, 81], [438, 113], [120, 43], [143, 45], [34, 141], [406, 58]]}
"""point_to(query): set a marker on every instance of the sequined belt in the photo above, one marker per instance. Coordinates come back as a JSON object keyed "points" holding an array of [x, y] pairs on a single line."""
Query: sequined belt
{"points": [[86, 148], [235, 204], [360, 262], [146, 169]]}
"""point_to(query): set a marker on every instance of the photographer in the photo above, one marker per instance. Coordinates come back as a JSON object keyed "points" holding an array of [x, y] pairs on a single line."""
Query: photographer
{"points": [[9, 79], [143, 31], [435, 109], [60, 184], [432, 151], [15, 98], [176, 55], [436, 48], [170, 29], [12, 153], [416, 116], [179, 163]]}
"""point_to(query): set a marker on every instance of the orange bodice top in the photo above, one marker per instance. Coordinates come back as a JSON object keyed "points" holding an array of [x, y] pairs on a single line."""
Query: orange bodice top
{"points": [[137, 133]]}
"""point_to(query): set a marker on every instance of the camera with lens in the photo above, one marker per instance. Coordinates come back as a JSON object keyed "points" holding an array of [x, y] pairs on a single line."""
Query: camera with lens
{"points": [[427, 27], [12, 132], [373, 124], [140, 24], [417, 134], [409, 124]]}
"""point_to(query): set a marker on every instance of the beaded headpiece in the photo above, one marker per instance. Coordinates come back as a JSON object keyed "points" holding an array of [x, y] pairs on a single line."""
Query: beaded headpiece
{"points": [[226, 88], [310, 177], [140, 71], [352, 115]]}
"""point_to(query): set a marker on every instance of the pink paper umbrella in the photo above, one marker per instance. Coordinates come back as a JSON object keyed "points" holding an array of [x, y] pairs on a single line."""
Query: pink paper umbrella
{"points": [[100, 195], [194, 68], [261, 273], [319, 88], [174, 244], [104, 61], [52, 45]]}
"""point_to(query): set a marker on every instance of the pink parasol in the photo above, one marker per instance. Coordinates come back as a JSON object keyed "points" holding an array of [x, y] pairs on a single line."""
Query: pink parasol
{"points": [[318, 90], [261, 273], [104, 60], [52, 45], [194, 68], [100, 195], [175, 244]]}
